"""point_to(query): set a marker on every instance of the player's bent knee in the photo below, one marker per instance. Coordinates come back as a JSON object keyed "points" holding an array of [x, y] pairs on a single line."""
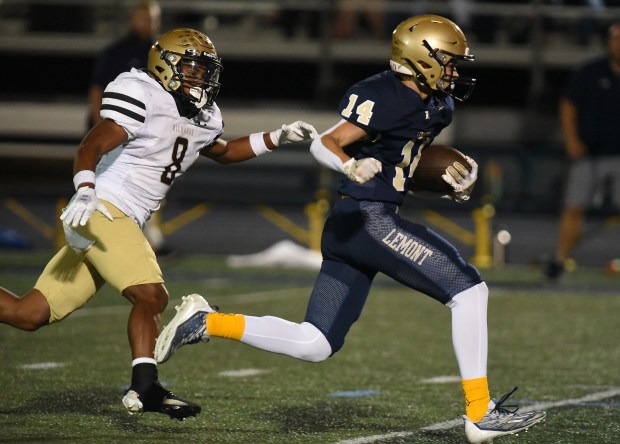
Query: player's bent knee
{"points": [[152, 295], [479, 293], [30, 312], [317, 349], [314, 354], [31, 321], [28, 320]]}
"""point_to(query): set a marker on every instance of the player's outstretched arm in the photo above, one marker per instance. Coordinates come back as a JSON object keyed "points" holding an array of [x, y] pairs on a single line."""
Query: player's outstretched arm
{"points": [[257, 144]]}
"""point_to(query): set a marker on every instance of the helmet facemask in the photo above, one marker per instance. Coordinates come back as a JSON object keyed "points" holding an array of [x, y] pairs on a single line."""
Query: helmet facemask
{"points": [[460, 88], [185, 63], [194, 78]]}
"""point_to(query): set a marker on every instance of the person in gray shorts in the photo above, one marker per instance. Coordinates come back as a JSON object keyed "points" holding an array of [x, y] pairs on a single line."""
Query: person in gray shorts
{"points": [[590, 118]]}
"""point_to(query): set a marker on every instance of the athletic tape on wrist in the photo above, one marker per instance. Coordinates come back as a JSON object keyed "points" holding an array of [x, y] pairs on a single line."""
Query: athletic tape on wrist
{"points": [[83, 176], [257, 143]]}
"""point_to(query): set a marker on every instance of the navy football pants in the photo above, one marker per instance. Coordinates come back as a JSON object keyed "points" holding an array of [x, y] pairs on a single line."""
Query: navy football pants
{"points": [[361, 238]]}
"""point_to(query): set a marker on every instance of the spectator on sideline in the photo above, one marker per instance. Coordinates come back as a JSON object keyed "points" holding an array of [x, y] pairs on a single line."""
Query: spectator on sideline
{"points": [[350, 14], [590, 117], [130, 51]]}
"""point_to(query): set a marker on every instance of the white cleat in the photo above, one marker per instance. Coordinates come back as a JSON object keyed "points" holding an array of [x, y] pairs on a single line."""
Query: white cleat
{"points": [[500, 421], [188, 326], [132, 403]]}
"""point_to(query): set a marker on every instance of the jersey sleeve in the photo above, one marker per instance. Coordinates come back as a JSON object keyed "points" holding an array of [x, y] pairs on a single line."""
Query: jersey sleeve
{"points": [[363, 105], [125, 102]]}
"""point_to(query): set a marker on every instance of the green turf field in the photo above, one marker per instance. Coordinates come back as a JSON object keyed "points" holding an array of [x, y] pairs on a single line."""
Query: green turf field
{"points": [[560, 344]]}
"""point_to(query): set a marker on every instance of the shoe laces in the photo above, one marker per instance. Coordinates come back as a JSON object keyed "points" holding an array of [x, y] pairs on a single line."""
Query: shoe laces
{"points": [[502, 409]]}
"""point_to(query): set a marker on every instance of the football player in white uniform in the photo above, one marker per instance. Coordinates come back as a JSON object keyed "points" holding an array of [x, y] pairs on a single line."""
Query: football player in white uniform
{"points": [[156, 124]]}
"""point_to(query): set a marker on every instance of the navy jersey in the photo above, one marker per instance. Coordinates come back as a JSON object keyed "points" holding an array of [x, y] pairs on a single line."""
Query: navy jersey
{"points": [[399, 124]]}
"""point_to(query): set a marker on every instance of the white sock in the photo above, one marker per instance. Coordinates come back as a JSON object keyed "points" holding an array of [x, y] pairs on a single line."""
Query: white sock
{"points": [[469, 330], [143, 361]]}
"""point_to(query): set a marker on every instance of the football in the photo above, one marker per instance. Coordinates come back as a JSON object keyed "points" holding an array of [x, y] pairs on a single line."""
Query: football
{"points": [[432, 165]]}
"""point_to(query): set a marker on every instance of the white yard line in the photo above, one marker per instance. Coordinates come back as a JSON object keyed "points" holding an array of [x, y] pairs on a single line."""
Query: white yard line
{"points": [[446, 425]]}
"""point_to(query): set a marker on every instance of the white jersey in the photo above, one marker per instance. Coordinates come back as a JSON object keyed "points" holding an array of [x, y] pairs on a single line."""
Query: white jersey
{"points": [[162, 145]]}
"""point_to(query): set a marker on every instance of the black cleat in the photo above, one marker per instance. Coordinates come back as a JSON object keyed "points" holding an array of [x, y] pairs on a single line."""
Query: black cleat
{"points": [[159, 400]]}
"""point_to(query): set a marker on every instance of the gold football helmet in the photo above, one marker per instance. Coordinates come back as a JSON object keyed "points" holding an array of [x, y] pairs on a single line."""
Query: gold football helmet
{"points": [[184, 62], [423, 47]]}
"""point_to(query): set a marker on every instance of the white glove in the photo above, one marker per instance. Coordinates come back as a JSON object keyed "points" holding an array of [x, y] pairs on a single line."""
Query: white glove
{"points": [[362, 170], [76, 241], [81, 206], [293, 132], [461, 180]]}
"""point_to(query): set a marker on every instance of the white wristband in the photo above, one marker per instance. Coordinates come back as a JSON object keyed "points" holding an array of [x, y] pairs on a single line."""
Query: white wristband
{"points": [[257, 143], [83, 176]]}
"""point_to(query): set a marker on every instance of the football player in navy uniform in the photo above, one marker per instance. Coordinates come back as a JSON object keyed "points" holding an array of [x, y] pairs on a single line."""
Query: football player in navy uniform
{"points": [[155, 125], [387, 120]]}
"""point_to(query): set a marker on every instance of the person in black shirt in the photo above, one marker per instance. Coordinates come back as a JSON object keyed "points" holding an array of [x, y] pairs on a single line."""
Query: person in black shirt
{"points": [[130, 51], [590, 118]]}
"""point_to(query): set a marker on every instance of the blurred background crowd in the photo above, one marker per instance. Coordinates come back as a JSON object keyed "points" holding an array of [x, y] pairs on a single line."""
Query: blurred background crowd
{"points": [[312, 39], [295, 58]]}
